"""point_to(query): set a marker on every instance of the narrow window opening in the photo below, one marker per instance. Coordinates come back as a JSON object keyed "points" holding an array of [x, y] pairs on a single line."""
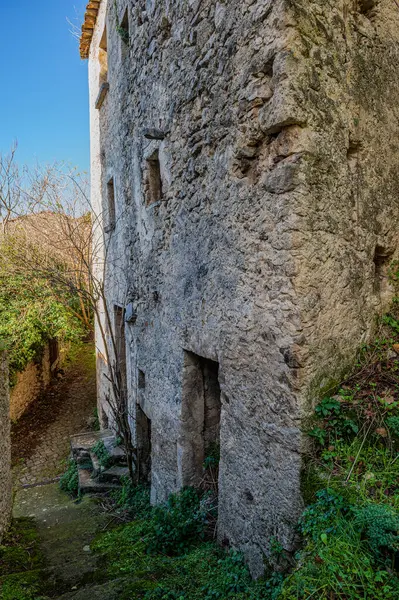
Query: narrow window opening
{"points": [[141, 380], [103, 58], [144, 444], [268, 68], [120, 351], [123, 31], [110, 206], [200, 434], [154, 181], [353, 150], [382, 259]]}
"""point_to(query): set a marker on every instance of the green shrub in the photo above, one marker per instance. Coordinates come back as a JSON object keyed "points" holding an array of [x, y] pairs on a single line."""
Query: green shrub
{"points": [[133, 498], [204, 572], [212, 457], [380, 525], [69, 481], [31, 312], [179, 523], [321, 517], [22, 586], [393, 425], [102, 454]]}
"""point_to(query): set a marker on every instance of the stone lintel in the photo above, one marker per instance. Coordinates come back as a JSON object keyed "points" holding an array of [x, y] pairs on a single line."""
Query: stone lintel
{"points": [[154, 134]]}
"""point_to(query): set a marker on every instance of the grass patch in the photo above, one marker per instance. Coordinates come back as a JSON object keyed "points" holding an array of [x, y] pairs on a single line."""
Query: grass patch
{"points": [[351, 526], [165, 554]]}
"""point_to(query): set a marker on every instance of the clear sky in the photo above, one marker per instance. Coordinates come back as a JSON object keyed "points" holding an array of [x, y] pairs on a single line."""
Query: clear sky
{"points": [[43, 89]]}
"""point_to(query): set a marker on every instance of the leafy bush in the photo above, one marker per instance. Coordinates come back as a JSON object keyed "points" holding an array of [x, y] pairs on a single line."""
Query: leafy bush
{"points": [[102, 454], [380, 525], [393, 425], [334, 422], [30, 315], [22, 586], [320, 518], [212, 457], [204, 572], [69, 481], [175, 526], [133, 498], [351, 528]]}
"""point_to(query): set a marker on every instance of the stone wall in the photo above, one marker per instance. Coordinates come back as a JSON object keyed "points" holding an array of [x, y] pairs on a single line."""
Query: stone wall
{"points": [[36, 377], [251, 150], [345, 57], [5, 447]]}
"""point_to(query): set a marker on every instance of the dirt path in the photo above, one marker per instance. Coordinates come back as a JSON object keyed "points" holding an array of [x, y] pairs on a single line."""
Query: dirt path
{"points": [[40, 439]]}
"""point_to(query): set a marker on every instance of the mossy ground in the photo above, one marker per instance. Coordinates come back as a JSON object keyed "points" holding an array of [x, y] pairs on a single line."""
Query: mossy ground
{"points": [[22, 563], [166, 554]]}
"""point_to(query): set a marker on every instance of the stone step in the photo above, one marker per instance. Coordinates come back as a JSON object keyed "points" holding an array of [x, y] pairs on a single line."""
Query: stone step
{"points": [[114, 474], [89, 485], [117, 453], [82, 444]]}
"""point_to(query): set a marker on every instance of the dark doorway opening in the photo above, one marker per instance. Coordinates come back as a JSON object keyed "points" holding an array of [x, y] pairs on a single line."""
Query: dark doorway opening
{"points": [[143, 431], [200, 427], [120, 351], [54, 354]]}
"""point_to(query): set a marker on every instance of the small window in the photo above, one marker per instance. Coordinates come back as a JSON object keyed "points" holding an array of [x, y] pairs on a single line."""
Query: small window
{"points": [[154, 181], [123, 31], [110, 206], [103, 58], [141, 380]]}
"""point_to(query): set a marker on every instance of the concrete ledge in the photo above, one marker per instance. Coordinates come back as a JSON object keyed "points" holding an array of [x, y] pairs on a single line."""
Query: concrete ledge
{"points": [[102, 94]]}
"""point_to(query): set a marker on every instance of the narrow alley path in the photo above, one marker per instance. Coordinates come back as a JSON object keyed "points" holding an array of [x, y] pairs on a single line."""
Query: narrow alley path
{"points": [[64, 528], [40, 439]]}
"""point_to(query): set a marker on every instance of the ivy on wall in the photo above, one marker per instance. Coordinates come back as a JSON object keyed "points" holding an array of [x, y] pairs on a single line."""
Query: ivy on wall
{"points": [[31, 313]]}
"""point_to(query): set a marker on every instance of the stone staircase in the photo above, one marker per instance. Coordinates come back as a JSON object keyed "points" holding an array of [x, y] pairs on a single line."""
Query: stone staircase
{"points": [[93, 477]]}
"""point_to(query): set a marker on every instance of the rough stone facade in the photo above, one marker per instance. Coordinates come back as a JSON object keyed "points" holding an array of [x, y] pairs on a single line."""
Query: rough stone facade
{"points": [[244, 166], [5, 446]]}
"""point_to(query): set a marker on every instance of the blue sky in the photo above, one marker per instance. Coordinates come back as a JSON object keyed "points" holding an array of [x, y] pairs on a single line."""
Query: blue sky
{"points": [[43, 96]]}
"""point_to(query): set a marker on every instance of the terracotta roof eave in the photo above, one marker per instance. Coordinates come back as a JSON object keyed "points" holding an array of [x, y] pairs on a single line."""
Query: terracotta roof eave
{"points": [[88, 27]]}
